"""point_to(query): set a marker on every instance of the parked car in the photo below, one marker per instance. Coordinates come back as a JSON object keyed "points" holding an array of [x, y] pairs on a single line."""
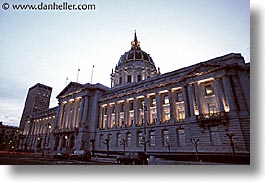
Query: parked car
{"points": [[61, 155], [80, 155], [133, 158]]}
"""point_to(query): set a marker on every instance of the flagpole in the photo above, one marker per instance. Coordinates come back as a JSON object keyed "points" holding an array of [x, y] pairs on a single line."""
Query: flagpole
{"points": [[66, 81], [92, 73], [77, 75]]}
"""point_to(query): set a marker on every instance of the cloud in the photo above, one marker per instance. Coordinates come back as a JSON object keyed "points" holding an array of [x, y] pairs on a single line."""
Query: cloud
{"points": [[11, 111]]}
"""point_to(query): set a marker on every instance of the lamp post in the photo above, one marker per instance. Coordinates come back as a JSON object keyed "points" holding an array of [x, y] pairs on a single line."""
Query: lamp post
{"points": [[144, 137], [93, 146], [195, 142], [48, 125], [123, 143], [230, 136]]}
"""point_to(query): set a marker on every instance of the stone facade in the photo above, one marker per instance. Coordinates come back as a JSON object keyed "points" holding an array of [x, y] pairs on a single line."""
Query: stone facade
{"points": [[206, 105], [9, 137]]}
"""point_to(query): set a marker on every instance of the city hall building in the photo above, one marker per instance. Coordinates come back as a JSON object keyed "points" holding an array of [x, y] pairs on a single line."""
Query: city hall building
{"points": [[203, 107]]}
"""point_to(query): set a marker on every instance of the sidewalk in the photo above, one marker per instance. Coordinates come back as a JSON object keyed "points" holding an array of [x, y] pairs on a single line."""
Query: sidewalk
{"points": [[157, 161], [104, 160]]}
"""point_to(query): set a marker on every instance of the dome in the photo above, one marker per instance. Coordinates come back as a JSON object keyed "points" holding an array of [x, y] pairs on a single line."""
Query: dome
{"points": [[134, 55], [133, 66]]}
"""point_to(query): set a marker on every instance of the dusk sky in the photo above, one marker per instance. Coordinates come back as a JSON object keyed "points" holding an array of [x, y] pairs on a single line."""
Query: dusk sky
{"points": [[49, 46]]}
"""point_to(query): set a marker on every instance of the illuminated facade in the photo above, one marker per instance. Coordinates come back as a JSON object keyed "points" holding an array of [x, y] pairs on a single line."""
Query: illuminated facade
{"points": [[144, 110]]}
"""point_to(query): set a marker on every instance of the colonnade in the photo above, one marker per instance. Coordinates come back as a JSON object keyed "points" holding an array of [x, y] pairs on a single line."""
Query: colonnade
{"points": [[120, 112]]}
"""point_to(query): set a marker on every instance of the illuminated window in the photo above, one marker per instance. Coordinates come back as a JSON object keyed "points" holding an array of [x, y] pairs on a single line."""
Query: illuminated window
{"points": [[212, 108], [209, 90], [105, 111], [153, 101], [165, 99]]}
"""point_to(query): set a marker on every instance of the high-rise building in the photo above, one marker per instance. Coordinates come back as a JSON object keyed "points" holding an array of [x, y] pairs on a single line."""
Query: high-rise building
{"points": [[38, 99]]}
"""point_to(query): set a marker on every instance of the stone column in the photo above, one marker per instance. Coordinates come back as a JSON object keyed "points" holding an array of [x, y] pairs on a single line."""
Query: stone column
{"points": [[108, 117], [101, 117], [85, 112], [135, 109], [219, 94], [186, 101], [198, 97], [72, 120], [59, 115], [245, 85], [65, 115], [172, 105], [117, 115], [158, 108], [146, 110], [79, 120], [191, 100], [229, 93], [125, 113]]}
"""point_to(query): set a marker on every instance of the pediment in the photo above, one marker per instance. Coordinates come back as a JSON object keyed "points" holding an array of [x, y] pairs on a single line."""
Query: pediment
{"points": [[201, 69], [71, 88]]}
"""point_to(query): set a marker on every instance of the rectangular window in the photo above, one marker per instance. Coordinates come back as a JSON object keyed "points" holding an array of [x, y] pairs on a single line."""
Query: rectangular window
{"points": [[100, 140], [120, 80], [209, 90], [139, 78], [165, 99], [152, 139], [153, 101], [166, 113], [181, 137], [153, 115], [140, 139], [215, 136], [118, 139], [128, 139], [212, 108], [131, 106], [113, 109], [129, 79], [165, 138], [122, 107], [105, 111], [179, 97]]}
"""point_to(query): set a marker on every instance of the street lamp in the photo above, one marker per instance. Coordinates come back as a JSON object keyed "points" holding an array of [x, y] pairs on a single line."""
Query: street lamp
{"points": [[93, 146], [48, 125], [230, 136], [195, 142]]}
